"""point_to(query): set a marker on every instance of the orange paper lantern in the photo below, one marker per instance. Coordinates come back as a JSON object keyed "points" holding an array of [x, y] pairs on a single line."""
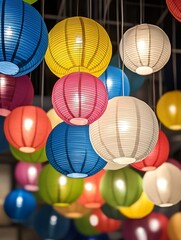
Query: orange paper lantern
{"points": [[174, 226]]}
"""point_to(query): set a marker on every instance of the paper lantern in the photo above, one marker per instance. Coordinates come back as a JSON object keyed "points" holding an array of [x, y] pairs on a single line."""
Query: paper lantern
{"points": [[114, 83], [15, 92], [57, 189], [70, 152], [168, 110], [145, 49], [26, 174], [27, 128], [126, 132], [38, 156], [30, 1], [158, 155], [22, 44], [173, 228], [102, 223], [174, 162], [174, 6], [158, 185], [112, 212], [121, 188], [19, 204], [91, 197], [50, 225], [54, 118], [3, 142], [74, 210], [78, 44], [79, 98], [141, 208]]}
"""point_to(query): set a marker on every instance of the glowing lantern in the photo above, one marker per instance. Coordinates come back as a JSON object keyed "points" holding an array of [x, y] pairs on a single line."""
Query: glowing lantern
{"points": [[174, 7], [27, 128], [126, 132], [78, 44], [145, 49], [79, 98], [173, 228], [158, 155], [54, 118]]}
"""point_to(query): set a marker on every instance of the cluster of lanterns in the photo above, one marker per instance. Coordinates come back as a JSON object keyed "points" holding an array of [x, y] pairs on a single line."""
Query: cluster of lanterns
{"points": [[94, 130]]}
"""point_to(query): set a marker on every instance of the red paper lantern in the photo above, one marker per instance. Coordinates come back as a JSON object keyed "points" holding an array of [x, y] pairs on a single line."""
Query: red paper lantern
{"points": [[102, 223], [27, 128], [158, 155], [91, 197], [174, 7], [79, 98]]}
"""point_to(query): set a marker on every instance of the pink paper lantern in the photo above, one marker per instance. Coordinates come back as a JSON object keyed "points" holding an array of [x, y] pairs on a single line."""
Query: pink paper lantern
{"points": [[79, 98], [26, 175]]}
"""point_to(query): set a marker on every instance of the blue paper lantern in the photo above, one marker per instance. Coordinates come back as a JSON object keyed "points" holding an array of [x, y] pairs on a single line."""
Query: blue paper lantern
{"points": [[113, 81], [19, 205], [70, 152], [24, 38], [50, 225], [4, 145]]}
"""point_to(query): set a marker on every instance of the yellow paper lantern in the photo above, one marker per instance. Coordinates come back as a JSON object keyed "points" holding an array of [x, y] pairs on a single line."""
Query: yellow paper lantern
{"points": [[169, 111], [78, 44], [174, 226], [141, 208], [54, 118]]}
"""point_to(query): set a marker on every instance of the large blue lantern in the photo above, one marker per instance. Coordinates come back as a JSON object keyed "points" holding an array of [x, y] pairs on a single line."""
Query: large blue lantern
{"points": [[23, 38], [70, 152]]}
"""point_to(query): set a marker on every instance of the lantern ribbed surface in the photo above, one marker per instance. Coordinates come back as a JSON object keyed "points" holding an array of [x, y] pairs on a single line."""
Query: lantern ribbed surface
{"points": [[121, 188], [162, 186], [168, 110], [78, 44], [174, 6], [126, 132], [79, 98], [70, 152], [145, 49], [158, 155], [57, 189], [15, 92], [24, 38], [27, 127]]}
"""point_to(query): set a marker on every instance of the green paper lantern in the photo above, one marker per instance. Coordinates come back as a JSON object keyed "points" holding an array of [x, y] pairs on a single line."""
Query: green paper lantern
{"points": [[57, 189], [121, 188], [35, 157], [30, 1], [112, 212]]}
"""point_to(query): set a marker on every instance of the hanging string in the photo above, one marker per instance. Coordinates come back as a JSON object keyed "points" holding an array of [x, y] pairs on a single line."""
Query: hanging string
{"points": [[174, 57], [117, 30], [77, 7], [142, 14], [90, 8], [153, 90], [160, 90], [122, 33]]}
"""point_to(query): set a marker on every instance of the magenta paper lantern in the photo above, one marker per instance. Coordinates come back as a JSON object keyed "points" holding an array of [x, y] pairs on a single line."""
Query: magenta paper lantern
{"points": [[174, 162], [79, 98], [14, 92], [26, 175]]}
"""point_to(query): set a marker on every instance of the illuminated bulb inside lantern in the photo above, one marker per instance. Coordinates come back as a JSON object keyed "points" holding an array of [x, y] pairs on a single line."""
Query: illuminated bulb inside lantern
{"points": [[79, 40], [88, 186], [154, 225], [109, 83], [162, 184], [141, 233], [53, 220], [62, 180], [32, 176], [28, 123], [172, 109], [93, 220], [120, 184], [19, 202], [8, 31]]}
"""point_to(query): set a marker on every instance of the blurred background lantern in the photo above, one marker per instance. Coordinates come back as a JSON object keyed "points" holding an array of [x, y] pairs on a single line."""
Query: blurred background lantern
{"points": [[145, 49], [30, 1], [91, 197], [114, 83], [4, 145], [76, 52], [38, 156], [14, 92], [158, 155], [27, 128], [19, 204], [70, 152], [174, 6], [126, 132], [140, 209], [57, 189], [174, 162], [26, 174], [50, 225], [102, 223], [158, 185], [79, 98], [54, 118], [168, 110], [112, 212], [23, 46], [121, 188], [173, 228]]}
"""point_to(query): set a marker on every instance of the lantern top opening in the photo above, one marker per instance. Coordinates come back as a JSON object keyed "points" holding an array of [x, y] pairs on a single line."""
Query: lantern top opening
{"points": [[27, 149], [122, 160], [144, 70], [77, 175], [4, 112], [8, 68], [79, 121]]}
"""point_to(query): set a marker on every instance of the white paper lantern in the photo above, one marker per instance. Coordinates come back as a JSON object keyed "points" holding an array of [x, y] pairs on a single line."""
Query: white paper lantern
{"points": [[145, 49], [114, 166], [163, 185], [126, 132]]}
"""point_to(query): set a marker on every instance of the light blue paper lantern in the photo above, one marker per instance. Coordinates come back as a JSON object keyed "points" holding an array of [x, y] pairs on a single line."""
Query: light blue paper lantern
{"points": [[23, 38], [70, 152]]}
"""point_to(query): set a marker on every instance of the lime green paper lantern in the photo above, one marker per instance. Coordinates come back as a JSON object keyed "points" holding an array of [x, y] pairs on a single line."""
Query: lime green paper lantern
{"points": [[35, 157], [30, 1], [121, 188], [57, 189]]}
